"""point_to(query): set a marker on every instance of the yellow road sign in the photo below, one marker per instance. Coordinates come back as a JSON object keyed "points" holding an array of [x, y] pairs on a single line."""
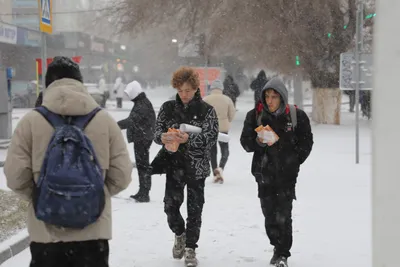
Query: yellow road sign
{"points": [[46, 16]]}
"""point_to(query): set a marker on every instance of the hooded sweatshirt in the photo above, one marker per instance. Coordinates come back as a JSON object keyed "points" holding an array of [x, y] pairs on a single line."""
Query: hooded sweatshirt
{"points": [[277, 85], [141, 121], [133, 89], [258, 84]]}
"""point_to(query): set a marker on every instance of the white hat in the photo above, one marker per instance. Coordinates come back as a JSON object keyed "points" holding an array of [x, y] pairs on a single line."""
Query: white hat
{"points": [[217, 84], [133, 89]]}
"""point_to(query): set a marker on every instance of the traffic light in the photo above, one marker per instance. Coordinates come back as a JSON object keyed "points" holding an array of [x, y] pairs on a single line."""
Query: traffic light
{"points": [[370, 16], [297, 61], [329, 35]]}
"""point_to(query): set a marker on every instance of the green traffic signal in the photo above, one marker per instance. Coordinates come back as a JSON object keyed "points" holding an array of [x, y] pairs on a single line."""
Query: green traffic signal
{"points": [[370, 16], [297, 61]]}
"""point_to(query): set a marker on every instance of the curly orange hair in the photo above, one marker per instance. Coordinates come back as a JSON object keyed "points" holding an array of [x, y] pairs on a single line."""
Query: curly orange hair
{"points": [[185, 75]]}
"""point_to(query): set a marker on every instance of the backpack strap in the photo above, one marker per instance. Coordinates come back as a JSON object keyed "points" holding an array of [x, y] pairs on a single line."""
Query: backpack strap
{"points": [[259, 117], [293, 115], [82, 121], [55, 120]]}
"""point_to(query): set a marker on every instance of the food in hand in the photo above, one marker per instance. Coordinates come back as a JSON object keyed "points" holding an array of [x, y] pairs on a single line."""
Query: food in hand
{"points": [[172, 146], [267, 135]]}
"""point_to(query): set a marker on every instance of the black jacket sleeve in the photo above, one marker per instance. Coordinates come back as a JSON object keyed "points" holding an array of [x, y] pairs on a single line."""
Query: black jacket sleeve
{"points": [[161, 126], [304, 136], [131, 120], [236, 90], [39, 100], [248, 139], [209, 134]]}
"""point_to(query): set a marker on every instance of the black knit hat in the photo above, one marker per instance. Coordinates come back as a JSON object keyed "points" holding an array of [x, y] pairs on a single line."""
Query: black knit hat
{"points": [[63, 67]]}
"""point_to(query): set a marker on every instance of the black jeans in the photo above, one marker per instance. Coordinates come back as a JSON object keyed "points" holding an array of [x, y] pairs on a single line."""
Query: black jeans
{"points": [[104, 100], [119, 102], [93, 253], [276, 205], [224, 155], [174, 196], [142, 157], [352, 98]]}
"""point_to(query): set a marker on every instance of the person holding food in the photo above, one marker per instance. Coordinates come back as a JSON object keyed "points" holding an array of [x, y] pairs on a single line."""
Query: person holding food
{"points": [[185, 159], [280, 145]]}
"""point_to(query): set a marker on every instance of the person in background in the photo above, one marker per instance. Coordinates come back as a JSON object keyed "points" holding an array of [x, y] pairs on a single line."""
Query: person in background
{"points": [[119, 88], [231, 89], [185, 158], [276, 164], [140, 130], [103, 90], [66, 97], [257, 85], [39, 100], [225, 109]]}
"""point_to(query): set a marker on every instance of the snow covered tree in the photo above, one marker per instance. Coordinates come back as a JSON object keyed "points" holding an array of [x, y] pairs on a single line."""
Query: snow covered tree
{"points": [[281, 33]]}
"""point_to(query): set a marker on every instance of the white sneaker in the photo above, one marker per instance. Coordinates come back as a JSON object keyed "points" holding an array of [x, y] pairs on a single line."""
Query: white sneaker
{"points": [[190, 257], [179, 246]]}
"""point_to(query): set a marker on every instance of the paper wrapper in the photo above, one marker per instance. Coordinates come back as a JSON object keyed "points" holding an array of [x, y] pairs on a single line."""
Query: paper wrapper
{"points": [[172, 147], [187, 128], [267, 135], [224, 138]]}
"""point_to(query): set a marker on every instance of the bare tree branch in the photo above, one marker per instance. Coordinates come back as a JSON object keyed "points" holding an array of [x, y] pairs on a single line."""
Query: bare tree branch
{"points": [[273, 32]]}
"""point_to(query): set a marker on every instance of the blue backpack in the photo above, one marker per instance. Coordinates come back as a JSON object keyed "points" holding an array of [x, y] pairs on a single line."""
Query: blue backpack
{"points": [[70, 189]]}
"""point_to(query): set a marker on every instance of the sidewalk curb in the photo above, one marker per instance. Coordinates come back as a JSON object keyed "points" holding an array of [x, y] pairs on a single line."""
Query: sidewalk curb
{"points": [[10, 250]]}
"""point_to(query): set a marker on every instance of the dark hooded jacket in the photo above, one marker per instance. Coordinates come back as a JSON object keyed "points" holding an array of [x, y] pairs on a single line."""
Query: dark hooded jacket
{"points": [[277, 165], [141, 121], [258, 84], [193, 158], [39, 100], [231, 89]]}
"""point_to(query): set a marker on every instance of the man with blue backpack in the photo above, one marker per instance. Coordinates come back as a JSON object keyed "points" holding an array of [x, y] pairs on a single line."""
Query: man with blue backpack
{"points": [[67, 158]]}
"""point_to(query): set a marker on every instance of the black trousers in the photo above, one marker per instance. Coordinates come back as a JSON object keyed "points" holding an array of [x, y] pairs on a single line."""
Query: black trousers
{"points": [[119, 102], [224, 155], [276, 205], [104, 100], [142, 158], [94, 253], [174, 196], [352, 98]]}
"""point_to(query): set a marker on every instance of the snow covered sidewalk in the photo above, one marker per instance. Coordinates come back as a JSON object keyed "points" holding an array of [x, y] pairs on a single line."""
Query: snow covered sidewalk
{"points": [[332, 225]]}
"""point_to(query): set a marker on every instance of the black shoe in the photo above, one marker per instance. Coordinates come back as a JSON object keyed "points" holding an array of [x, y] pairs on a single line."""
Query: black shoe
{"points": [[141, 197], [274, 259], [281, 262]]}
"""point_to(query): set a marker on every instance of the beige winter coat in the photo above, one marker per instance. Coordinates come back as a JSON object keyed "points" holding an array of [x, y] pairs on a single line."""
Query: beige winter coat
{"points": [[29, 143], [224, 107]]}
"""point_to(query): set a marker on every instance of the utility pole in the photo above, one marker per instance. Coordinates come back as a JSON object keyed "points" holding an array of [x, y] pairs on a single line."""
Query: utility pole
{"points": [[298, 85], [46, 27], [358, 65]]}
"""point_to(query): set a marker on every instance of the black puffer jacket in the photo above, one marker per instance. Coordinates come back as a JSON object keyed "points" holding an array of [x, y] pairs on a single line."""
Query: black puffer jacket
{"points": [[279, 164], [39, 100], [141, 121], [193, 158], [258, 84], [231, 89]]}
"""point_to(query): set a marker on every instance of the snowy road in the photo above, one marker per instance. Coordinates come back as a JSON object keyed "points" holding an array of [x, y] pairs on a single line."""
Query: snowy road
{"points": [[331, 216]]}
